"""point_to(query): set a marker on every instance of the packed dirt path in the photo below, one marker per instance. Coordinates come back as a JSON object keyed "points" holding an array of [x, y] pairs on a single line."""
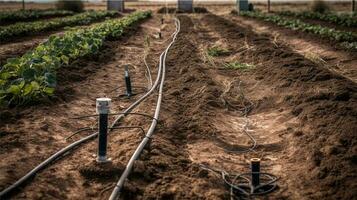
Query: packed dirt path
{"points": [[320, 51]]}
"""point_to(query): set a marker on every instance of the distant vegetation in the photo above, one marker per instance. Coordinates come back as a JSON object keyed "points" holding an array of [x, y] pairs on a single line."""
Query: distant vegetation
{"points": [[30, 28], [7, 17], [338, 19], [347, 38]]}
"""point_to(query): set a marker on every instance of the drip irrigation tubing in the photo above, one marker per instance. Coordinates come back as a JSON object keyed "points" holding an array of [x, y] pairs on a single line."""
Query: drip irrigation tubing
{"points": [[247, 188], [251, 190], [120, 113], [116, 192], [246, 110], [66, 149]]}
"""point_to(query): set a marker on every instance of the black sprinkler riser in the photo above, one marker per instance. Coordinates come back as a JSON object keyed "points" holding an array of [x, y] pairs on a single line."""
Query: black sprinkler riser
{"points": [[129, 92], [255, 165], [102, 138]]}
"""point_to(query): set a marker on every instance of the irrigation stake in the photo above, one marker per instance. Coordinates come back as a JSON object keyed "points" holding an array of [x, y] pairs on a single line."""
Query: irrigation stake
{"points": [[103, 109], [255, 165], [128, 82]]}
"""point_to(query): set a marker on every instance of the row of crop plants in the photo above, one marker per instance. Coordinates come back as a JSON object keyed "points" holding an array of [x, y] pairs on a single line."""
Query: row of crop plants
{"points": [[346, 38], [31, 28], [346, 20], [33, 76], [7, 17]]}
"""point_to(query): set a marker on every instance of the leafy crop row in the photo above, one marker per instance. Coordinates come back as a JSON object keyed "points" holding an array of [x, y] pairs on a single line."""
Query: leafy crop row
{"points": [[295, 24], [30, 15], [33, 76], [339, 19], [27, 28]]}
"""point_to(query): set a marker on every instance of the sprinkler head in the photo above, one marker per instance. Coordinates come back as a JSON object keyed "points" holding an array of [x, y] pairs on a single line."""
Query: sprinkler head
{"points": [[103, 105]]}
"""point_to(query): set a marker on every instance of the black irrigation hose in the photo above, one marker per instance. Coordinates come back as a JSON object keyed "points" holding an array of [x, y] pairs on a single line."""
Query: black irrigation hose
{"points": [[79, 131], [120, 113], [115, 127], [271, 183], [44, 164], [117, 189], [66, 149]]}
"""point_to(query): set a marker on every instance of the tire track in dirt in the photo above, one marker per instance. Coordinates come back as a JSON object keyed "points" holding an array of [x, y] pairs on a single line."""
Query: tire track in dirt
{"points": [[319, 160]]}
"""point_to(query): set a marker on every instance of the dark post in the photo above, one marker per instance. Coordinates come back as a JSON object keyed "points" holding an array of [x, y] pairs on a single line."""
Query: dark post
{"points": [[255, 165], [127, 82], [103, 111], [23, 4], [268, 6], [353, 6]]}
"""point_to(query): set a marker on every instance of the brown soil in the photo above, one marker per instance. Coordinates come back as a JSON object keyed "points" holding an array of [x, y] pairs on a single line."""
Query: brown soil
{"points": [[320, 140], [26, 131], [303, 118], [321, 52], [19, 47]]}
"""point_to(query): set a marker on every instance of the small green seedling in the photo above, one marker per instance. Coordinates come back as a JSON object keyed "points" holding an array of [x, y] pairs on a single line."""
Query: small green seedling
{"points": [[240, 66], [217, 51]]}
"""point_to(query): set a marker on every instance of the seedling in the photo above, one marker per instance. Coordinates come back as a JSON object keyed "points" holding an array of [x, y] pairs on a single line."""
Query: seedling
{"points": [[240, 66], [217, 51]]}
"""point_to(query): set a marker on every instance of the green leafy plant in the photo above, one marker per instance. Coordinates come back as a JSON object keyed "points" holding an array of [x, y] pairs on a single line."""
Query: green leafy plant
{"points": [[27, 28], [295, 24], [7, 17], [33, 76], [239, 65], [217, 51], [339, 19]]}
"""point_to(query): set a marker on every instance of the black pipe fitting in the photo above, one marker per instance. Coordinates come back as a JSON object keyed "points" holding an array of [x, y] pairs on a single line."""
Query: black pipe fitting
{"points": [[128, 82], [255, 166], [103, 111]]}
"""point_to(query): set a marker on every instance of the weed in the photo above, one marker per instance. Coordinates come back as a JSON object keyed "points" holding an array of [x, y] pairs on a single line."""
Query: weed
{"points": [[217, 51], [239, 65]]}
